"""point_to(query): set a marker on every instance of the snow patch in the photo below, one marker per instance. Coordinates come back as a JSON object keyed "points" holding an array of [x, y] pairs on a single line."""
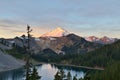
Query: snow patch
{"points": [[58, 32]]}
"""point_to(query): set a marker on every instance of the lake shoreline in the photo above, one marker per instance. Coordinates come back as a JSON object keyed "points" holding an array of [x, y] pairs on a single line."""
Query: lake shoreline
{"points": [[71, 65], [10, 69], [46, 71], [86, 67]]}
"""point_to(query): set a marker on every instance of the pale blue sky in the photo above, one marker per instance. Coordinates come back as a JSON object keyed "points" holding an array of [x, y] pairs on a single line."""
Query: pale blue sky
{"points": [[83, 17]]}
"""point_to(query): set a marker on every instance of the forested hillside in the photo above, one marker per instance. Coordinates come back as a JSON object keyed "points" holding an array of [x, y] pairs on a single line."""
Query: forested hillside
{"points": [[98, 58], [111, 72]]}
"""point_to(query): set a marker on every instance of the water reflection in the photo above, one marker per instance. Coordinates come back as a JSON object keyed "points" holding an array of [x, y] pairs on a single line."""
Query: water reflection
{"points": [[47, 71], [13, 75]]}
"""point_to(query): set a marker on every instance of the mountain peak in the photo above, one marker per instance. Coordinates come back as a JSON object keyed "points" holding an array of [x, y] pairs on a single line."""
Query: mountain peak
{"points": [[91, 38], [59, 28], [102, 40], [58, 32]]}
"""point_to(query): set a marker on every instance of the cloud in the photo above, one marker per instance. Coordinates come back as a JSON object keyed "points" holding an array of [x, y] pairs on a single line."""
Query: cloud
{"points": [[10, 28], [78, 16]]}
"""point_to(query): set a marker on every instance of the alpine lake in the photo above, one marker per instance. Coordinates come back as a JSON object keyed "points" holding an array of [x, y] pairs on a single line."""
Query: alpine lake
{"points": [[46, 71]]}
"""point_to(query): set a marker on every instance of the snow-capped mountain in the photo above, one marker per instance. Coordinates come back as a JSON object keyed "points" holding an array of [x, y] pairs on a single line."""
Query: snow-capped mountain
{"points": [[61, 41], [103, 40], [108, 40], [92, 38], [58, 32]]}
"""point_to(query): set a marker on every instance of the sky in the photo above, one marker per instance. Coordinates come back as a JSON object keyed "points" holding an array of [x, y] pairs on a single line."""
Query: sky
{"points": [[82, 17]]}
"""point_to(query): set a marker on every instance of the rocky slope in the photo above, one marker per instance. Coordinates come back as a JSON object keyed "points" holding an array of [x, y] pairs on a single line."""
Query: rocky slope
{"points": [[67, 44], [8, 62], [60, 41], [79, 45]]}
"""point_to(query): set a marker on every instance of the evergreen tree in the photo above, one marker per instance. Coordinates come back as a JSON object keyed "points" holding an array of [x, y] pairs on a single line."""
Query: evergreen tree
{"points": [[69, 77], [58, 76], [62, 74], [34, 75], [75, 77], [28, 54]]}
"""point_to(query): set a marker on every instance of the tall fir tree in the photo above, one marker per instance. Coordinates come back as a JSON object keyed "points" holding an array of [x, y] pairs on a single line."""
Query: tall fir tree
{"points": [[28, 53], [34, 74]]}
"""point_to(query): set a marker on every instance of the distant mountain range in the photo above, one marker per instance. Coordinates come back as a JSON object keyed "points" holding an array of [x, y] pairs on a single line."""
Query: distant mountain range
{"points": [[52, 47], [63, 42], [60, 32], [103, 40]]}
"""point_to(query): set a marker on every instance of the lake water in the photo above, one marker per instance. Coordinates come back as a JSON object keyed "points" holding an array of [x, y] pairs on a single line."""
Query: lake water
{"points": [[47, 71]]}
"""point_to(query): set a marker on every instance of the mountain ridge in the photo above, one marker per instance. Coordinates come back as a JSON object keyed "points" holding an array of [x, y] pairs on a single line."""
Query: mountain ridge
{"points": [[61, 42], [60, 32], [102, 40]]}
